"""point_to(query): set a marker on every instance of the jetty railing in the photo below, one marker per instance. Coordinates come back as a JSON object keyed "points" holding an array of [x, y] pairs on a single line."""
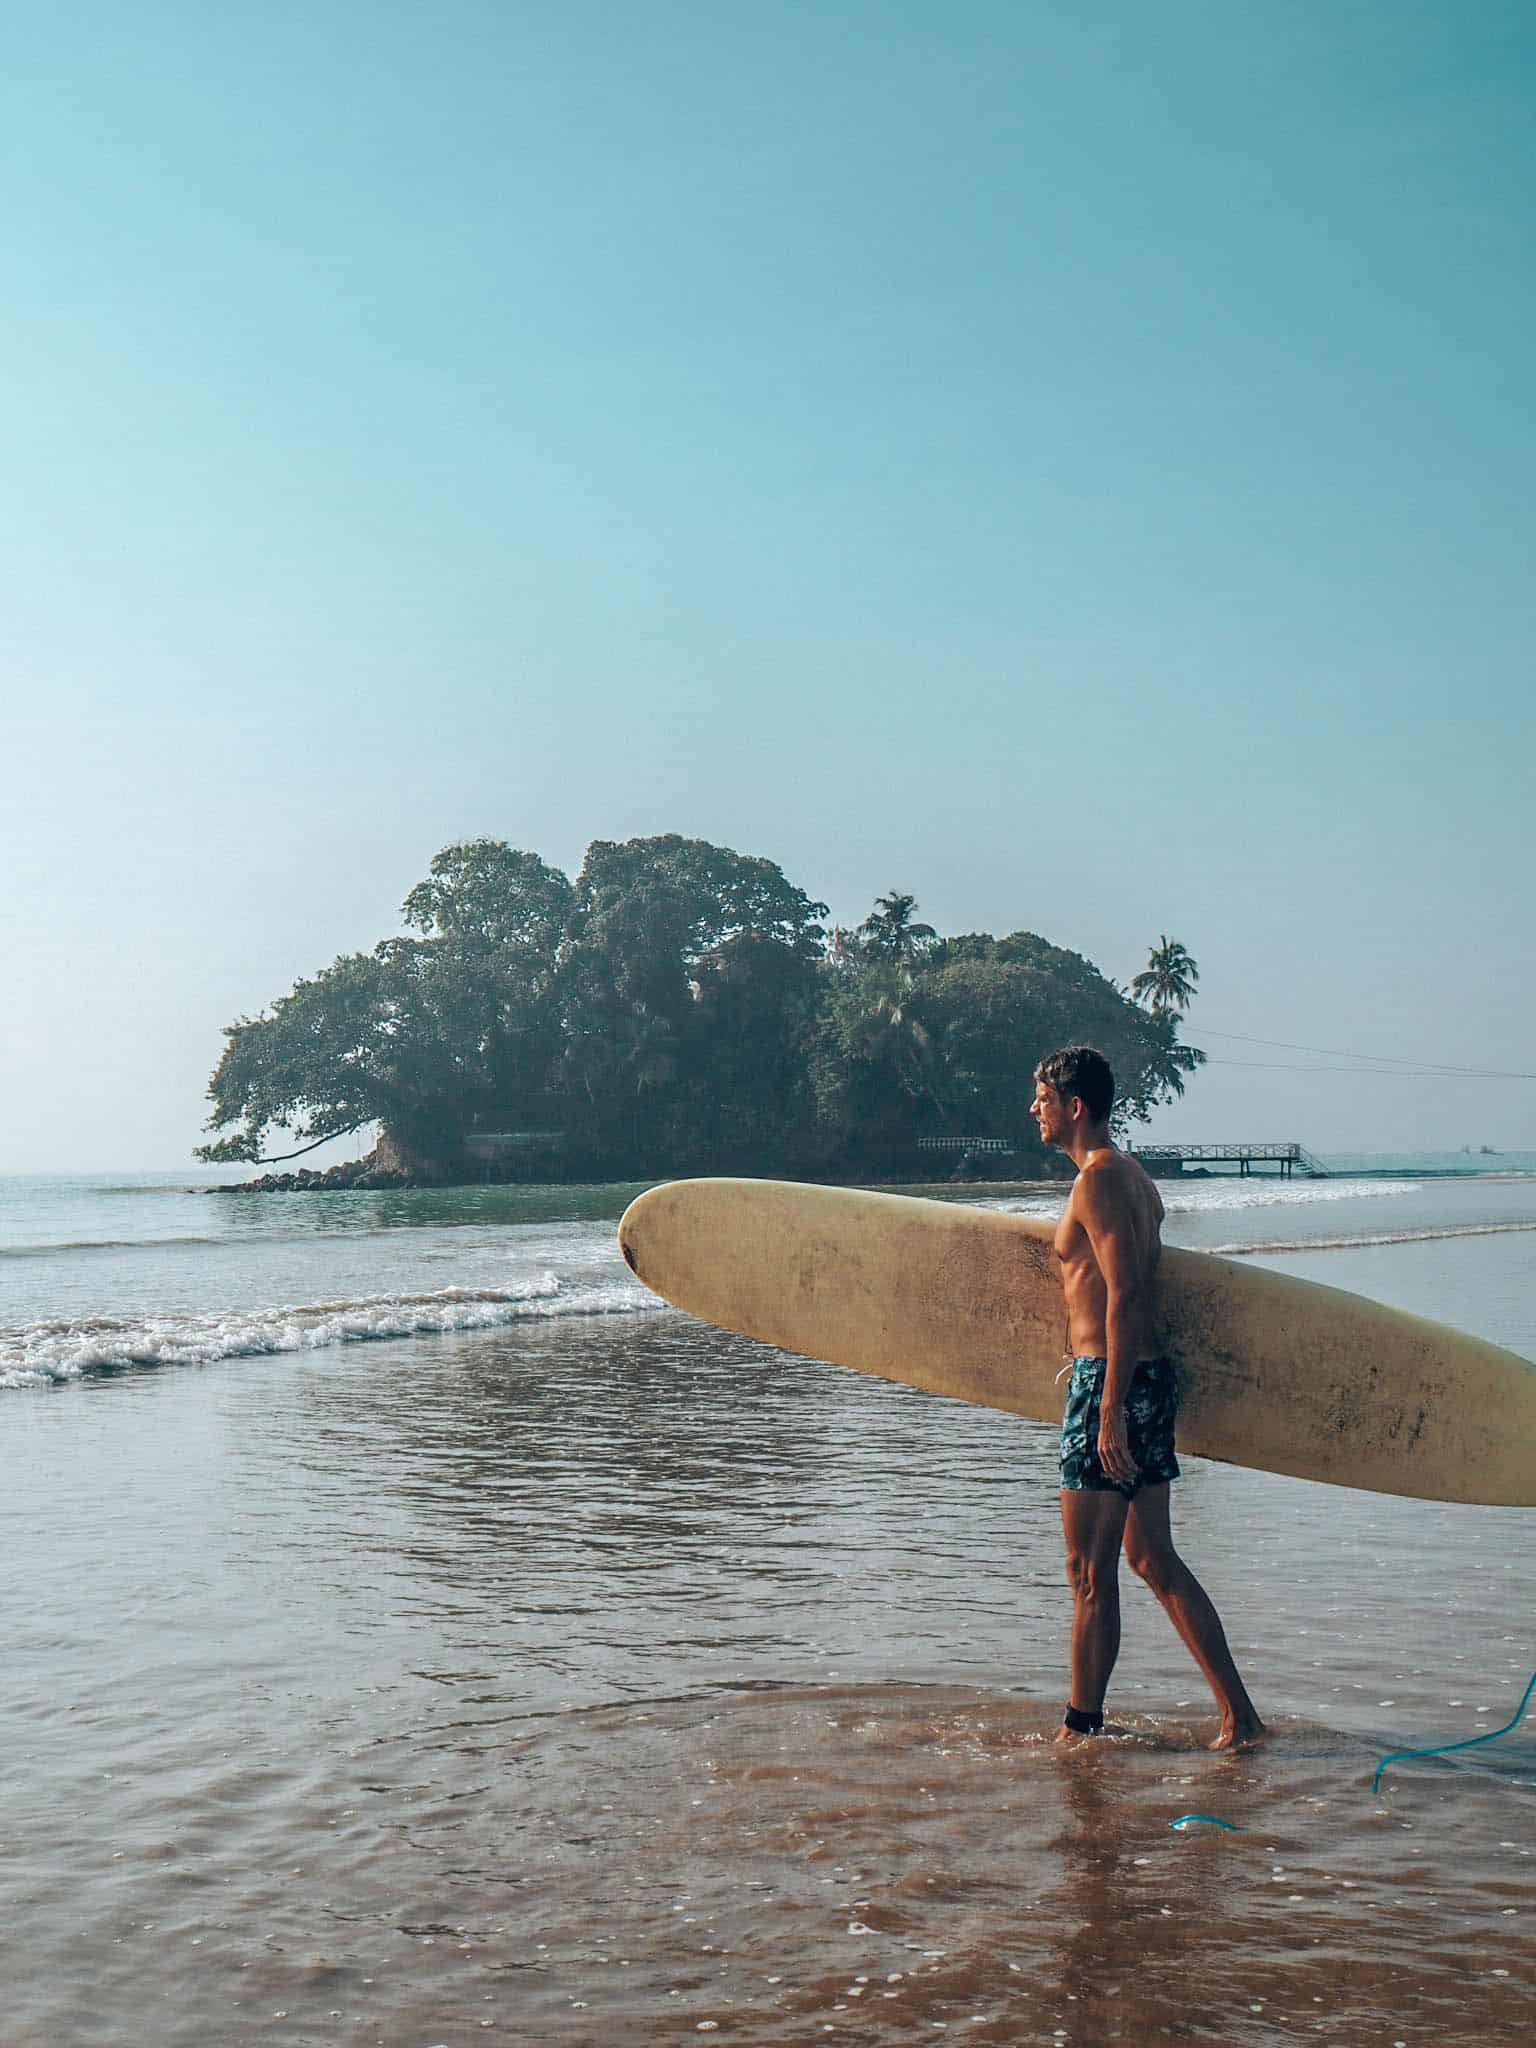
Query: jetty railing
{"points": [[1288, 1158]]}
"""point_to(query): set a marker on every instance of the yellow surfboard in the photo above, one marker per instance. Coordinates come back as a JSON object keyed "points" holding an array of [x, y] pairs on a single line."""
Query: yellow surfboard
{"points": [[1278, 1373]]}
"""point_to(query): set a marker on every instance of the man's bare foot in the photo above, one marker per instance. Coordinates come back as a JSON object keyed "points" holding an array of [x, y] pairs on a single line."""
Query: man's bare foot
{"points": [[1239, 1734]]}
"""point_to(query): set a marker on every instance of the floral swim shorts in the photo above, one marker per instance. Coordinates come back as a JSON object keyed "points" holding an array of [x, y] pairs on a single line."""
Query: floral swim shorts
{"points": [[1150, 1411]]}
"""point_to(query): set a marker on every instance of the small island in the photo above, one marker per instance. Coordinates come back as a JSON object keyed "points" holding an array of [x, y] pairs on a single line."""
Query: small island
{"points": [[678, 1008]]}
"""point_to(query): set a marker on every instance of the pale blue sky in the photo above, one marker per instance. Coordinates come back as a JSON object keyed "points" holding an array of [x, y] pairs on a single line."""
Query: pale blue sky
{"points": [[1074, 463]]}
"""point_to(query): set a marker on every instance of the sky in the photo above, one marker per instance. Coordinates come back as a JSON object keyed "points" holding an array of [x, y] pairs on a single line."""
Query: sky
{"points": [[1076, 464]]}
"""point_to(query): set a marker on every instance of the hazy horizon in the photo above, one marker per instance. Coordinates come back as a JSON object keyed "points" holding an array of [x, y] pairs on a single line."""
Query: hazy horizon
{"points": [[1077, 468]]}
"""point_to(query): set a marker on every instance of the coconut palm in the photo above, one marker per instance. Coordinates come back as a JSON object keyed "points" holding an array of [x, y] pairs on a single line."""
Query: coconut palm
{"points": [[889, 932], [889, 1030], [1168, 1066], [1167, 982]]}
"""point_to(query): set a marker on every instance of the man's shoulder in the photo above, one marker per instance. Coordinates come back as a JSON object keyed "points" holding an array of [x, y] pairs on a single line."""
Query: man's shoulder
{"points": [[1111, 1166], [1102, 1179], [1114, 1181]]}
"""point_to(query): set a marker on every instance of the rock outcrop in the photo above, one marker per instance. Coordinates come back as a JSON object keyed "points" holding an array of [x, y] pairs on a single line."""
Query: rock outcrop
{"points": [[388, 1165]]}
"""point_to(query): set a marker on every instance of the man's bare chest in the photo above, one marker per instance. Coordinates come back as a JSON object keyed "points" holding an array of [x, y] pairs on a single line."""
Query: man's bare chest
{"points": [[1072, 1244]]}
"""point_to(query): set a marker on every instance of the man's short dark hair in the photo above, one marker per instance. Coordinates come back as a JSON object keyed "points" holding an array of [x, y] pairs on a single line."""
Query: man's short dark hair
{"points": [[1081, 1070]]}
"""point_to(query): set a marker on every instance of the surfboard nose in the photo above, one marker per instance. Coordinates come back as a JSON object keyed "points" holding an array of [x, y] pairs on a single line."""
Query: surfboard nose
{"points": [[643, 1222], [628, 1224]]}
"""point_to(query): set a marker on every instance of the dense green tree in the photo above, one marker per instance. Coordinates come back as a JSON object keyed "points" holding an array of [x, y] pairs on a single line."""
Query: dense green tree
{"points": [[996, 1018], [750, 1095], [676, 1008], [875, 1066], [962, 946], [383, 1038], [648, 916], [312, 1067], [426, 1037], [715, 893], [495, 895], [495, 919]]}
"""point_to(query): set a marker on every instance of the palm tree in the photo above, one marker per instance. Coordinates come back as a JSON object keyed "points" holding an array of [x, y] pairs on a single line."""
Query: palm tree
{"points": [[885, 1027], [1168, 980], [889, 932], [1159, 1071], [1168, 1066]]}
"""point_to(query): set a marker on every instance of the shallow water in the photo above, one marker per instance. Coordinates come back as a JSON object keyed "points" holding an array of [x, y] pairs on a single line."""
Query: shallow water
{"points": [[597, 1677]]}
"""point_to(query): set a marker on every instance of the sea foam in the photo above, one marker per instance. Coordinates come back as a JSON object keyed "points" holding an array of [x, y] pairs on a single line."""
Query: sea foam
{"points": [[46, 1352], [1227, 1192]]}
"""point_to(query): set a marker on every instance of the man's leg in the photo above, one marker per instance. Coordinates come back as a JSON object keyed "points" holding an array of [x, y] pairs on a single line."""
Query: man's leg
{"points": [[1093, 1523], [1150, 1554]]}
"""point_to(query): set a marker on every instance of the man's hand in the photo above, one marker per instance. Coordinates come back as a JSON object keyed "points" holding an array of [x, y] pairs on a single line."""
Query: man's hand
{"points": [[1114, 1445]]}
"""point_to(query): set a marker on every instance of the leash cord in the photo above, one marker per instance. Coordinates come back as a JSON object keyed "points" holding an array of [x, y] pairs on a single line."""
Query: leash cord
{"points": [[1404, 1756], [1401, 1756]]}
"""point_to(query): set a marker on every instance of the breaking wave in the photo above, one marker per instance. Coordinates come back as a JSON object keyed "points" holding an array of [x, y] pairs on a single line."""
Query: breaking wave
{"points": [[55, 1351], [1225, 1192]]}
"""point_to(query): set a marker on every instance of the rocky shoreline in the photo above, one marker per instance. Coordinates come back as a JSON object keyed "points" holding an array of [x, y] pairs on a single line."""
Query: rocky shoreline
{"points": [[386, 1166], [352, 1173]]}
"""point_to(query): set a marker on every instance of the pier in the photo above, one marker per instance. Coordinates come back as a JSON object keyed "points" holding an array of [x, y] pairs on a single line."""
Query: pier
{"points": [[1167, 1162]]}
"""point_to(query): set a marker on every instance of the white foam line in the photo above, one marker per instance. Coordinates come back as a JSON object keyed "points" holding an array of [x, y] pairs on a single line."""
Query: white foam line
{"points": [[1225, 1192], [57, 1351]]}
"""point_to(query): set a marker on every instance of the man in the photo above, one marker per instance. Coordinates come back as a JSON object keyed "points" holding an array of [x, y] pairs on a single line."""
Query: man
{"points": [[1117, 1453]]}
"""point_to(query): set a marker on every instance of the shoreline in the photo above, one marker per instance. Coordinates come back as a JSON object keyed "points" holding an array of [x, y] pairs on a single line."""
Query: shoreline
{"points": [[291, 1185], [341, 1181]]}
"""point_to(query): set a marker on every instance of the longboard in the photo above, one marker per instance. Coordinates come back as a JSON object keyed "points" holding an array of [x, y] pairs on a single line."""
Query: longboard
{"points": [[1278, 1373]]}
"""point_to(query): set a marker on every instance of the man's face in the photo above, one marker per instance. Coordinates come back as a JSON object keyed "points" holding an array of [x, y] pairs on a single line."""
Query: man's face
{"points": [[1049, 1110]]}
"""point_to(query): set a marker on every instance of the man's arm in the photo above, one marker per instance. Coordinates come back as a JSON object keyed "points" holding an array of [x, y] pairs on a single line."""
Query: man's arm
{"points": [[1105, 1213]]}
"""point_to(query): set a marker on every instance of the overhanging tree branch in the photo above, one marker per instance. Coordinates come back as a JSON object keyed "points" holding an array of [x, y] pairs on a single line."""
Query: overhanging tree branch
{"points": [[211, 1152], [276, 1158]]}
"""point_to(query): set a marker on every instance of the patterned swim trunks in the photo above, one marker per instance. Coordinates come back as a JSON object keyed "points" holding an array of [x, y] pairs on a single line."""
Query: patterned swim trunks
{"points": [[1150, 1411]]}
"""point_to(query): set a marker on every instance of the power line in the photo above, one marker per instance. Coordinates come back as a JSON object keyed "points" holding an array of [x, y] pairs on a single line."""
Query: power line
{"points": [[1424, 1068], [1382, 1073]]}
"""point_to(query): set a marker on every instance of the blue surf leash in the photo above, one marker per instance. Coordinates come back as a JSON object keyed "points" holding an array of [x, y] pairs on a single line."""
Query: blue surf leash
{"points": [[1404, 1756], [1401, 1756]]}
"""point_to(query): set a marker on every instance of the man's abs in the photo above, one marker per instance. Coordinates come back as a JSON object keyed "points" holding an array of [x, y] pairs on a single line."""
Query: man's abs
{"points": [[1082, 1284]]}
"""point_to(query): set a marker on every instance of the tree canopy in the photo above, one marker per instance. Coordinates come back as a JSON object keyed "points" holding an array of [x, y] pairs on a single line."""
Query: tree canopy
{"points": [[679, 1007]]}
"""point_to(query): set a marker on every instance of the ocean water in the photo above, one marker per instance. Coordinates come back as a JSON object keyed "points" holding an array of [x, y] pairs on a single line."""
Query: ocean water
{"points": [[416, 1634]]}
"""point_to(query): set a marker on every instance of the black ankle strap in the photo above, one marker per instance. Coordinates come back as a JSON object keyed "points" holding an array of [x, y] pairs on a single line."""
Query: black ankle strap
{"points": [[1081, 1723]]}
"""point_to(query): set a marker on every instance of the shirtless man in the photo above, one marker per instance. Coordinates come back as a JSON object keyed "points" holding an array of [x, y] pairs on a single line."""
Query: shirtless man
{"points": [[1117, 1434]]}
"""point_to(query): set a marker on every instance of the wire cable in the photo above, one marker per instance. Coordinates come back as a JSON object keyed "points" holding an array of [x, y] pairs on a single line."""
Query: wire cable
{"points": [[1380, 1059], [1384, 1073]]}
